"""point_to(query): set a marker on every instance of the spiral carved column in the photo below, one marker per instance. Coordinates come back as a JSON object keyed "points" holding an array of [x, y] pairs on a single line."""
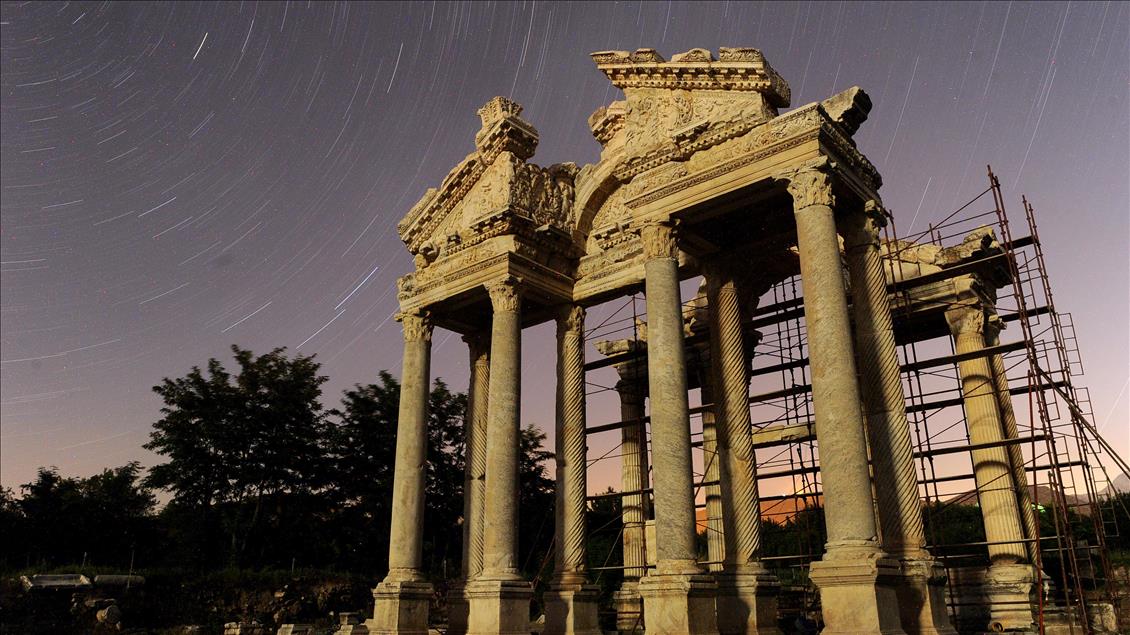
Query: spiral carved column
{"points": [[747, 593], [571, 603], [921, 588], [474, 481]]}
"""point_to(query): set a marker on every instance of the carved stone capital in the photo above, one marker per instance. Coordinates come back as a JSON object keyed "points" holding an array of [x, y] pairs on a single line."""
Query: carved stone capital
{"points": [[479, 346], [505, 294], [863, 228], [659, 240], [966, 318], [417, 326], [570, 320], [811, 186]]}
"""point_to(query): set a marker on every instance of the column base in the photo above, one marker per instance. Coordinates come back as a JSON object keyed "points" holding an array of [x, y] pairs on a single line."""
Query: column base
{"points": [[747, 602], [1010, 588], [921, 591], [571, 607], [457, 608], [857, 595], [629, 607], [499, 607], [680, 603], [400, 607]]}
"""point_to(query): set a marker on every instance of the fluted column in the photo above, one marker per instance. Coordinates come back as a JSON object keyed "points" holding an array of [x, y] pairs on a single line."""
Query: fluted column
{"points": [[1008, 418], [1009, 581], [678, 595], [991, 466], [715, 527], [631, 388], [401, 600], [921, 589], [852, 574], [634, 474], [499, 597], [474, 481], [571, 603]]}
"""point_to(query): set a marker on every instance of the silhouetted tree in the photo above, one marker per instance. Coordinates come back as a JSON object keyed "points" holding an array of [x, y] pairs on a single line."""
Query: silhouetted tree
{"points": [[249, 448], [104, 519]]}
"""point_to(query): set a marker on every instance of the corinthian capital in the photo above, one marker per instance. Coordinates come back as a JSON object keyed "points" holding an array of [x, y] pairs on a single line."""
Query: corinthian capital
{"points": [[659, 240], [811, 186], [966, 318], [417, 326], [570, 320], [505, 294]]}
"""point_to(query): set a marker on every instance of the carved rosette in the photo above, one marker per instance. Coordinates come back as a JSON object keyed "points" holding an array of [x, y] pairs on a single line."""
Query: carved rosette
{"points": [[811, 186], [505, 294], [659, 240], [417, 326]]}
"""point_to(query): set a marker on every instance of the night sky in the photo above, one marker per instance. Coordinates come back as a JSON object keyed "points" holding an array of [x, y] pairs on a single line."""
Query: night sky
{"points": [[179, 177]]}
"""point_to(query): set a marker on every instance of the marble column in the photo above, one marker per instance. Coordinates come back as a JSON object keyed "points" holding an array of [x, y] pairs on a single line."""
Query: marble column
{"points": [[678, 595], [747, 592], [1008, 419], [401, 599], [632, 387], [854, 574], [1009, 581], [921, 587], [499, 597], [474, 481], [571, 602]]}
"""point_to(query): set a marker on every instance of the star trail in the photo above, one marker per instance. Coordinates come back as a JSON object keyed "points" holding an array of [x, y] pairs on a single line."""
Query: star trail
{"points": [[179, 177]]}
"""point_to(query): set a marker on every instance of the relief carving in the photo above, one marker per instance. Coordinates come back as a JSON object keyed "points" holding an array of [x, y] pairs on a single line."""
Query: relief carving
{"points": [[659, 240], [505, 294], [810, 186]]}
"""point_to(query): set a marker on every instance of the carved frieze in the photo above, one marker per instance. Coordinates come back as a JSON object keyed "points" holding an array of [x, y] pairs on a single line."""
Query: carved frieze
{"points": [[738, 69], [495, 178]]}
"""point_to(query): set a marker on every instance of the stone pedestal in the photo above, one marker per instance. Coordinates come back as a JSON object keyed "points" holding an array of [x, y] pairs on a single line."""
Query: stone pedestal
{"points": [[571, 608], [857, 596], [629, 607], [1010, 588], [458, 608], [500, 607], [921, 591], [680, 603], [401, 608], [747, 602]]}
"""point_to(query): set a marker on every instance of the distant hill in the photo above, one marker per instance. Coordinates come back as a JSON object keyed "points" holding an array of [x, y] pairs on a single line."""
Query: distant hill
{"points": [[1120, 485]]}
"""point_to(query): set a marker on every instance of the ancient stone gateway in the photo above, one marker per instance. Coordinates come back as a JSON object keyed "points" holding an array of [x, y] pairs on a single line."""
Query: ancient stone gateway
{"points": [[698, 175]]}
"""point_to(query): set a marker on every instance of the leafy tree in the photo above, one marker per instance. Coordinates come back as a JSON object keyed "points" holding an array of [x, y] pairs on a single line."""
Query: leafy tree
{"points": [[105, 519], [250, 448], [365, 453], [13, 526]]}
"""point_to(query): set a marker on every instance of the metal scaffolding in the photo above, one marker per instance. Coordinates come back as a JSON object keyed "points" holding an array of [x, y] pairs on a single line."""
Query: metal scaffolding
{"points": [[1055, 442]]}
